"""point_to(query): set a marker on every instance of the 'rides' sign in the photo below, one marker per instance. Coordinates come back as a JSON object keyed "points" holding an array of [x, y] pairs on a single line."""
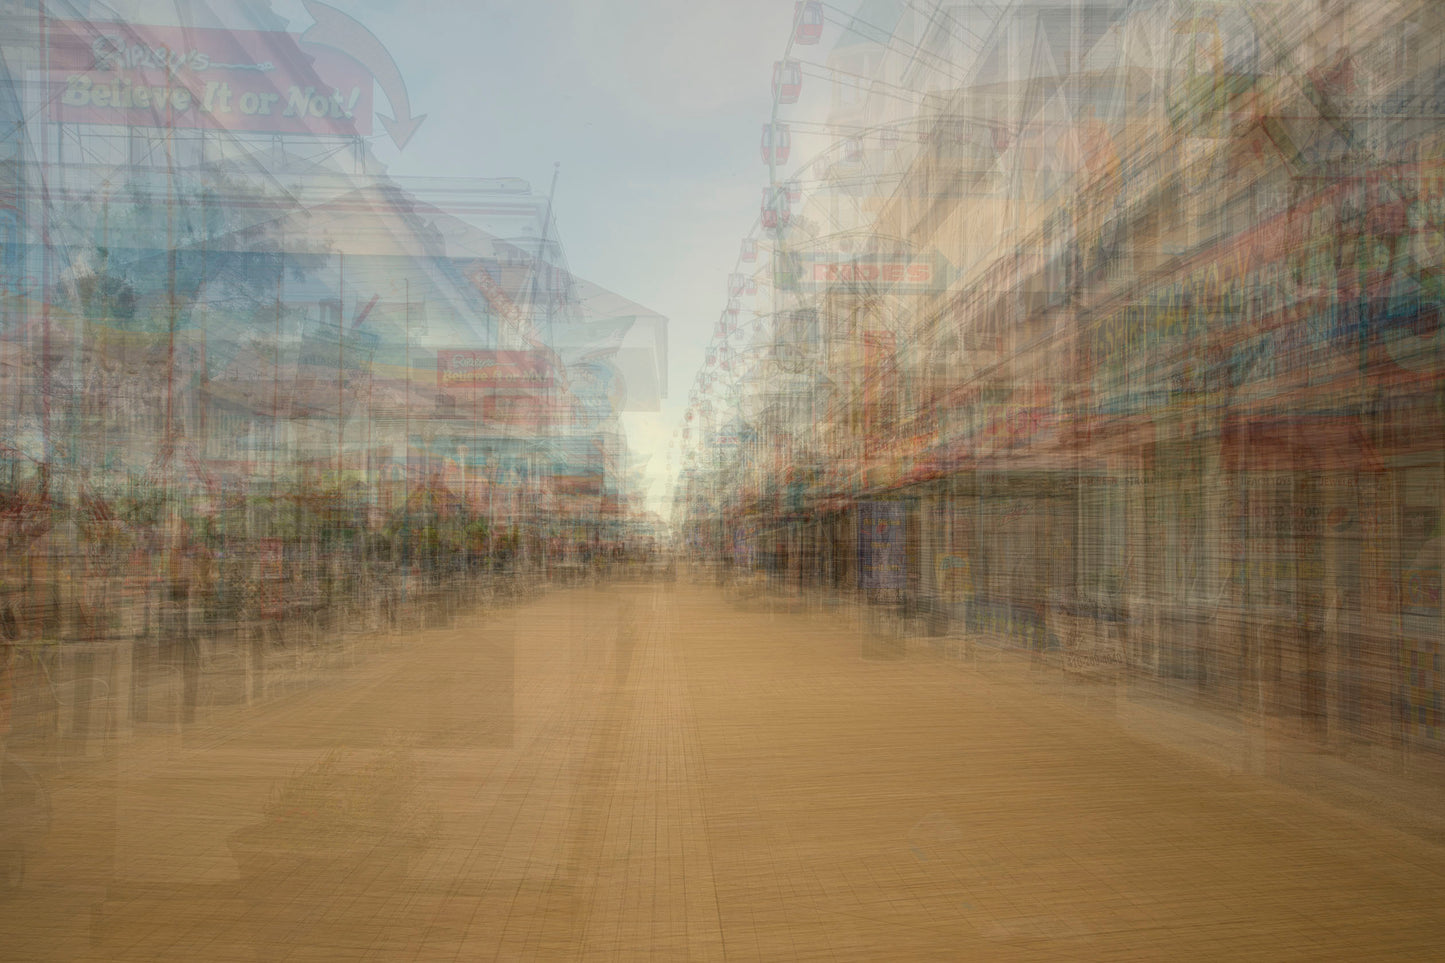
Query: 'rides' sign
{"points": [[146, 76]]}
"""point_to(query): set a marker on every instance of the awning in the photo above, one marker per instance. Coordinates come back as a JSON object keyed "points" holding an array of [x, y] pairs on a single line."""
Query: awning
{"points": [[1298, 443]]}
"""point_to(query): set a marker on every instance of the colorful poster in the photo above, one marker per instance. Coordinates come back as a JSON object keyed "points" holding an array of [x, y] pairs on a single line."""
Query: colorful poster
{"points": [[881, 550]]}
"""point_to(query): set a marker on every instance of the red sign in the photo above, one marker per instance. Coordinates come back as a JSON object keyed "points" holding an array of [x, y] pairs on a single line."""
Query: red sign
{"points": [[493, 369], [898, 272], [920, 272], [245, 80]]}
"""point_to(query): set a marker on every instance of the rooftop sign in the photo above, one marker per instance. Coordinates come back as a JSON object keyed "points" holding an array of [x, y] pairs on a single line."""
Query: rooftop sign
{"points": [[241, 80]]}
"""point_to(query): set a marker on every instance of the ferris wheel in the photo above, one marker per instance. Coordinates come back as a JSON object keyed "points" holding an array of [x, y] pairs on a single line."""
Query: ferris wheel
{"points": [[841, 160], [857, 97]]}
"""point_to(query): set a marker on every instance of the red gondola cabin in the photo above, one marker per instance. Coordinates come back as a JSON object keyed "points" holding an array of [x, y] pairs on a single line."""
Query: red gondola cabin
{"points": [[777, 143], [807, 22], [787, 81], [775, 211]]}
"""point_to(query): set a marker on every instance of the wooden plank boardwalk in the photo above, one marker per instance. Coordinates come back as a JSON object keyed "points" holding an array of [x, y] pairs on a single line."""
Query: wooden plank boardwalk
{"points": [[652, 772]]}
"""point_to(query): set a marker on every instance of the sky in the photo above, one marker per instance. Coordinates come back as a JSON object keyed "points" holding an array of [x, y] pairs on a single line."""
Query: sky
{"points": [[652, 108]]}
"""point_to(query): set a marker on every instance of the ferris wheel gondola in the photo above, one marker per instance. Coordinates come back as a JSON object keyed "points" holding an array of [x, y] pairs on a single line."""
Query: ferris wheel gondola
{"points": [[808, 22], [787, 81], [775, 212], [777, 143]]}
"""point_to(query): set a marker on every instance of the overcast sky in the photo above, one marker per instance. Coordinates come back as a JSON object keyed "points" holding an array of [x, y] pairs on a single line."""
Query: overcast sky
{"points": [[653, 109]]}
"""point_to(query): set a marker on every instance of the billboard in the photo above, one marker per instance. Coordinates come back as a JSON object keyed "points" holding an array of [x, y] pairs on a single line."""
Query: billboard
{"points": [[196, 77]]}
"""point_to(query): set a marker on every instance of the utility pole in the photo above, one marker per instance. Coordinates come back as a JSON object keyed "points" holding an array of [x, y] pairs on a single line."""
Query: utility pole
{"points": [[340, 368], [276, 369], [542, 247], [406, 448]]}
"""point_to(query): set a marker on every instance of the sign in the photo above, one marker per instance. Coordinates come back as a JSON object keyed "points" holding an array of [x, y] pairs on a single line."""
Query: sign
{"points": [[197, 77], [816, 271], [881, 550], [493, 369]]}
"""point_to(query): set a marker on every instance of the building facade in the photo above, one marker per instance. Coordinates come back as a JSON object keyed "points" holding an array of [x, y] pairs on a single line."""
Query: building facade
{"points": [[1173, 406]]}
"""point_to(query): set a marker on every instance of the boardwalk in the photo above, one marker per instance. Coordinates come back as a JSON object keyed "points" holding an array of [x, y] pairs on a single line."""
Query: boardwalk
{"points": [[655, 772]]}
